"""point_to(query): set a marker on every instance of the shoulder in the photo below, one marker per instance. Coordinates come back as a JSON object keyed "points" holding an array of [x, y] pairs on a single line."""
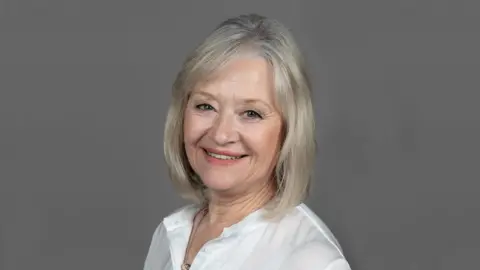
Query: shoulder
{"points": [[319, 230], [157, 252], [313, 245], [302, 226]]}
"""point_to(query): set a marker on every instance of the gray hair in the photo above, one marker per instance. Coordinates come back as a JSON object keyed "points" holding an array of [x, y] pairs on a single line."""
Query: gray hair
{"points": [[271, 40]]}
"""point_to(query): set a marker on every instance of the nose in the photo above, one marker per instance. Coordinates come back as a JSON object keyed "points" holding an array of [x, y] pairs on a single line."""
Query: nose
{"points": [[223, 130]]}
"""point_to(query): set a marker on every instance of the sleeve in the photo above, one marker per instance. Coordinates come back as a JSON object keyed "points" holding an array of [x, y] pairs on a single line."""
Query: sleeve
{"points": [[316, 256], [338, 264], [154, 258]]}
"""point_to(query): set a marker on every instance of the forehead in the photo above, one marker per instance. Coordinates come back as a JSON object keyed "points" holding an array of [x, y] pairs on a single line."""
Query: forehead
{"points": [[246, 77]]}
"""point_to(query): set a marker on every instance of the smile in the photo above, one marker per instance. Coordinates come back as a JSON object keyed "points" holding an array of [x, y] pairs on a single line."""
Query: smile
{"points": [[223, 157]]}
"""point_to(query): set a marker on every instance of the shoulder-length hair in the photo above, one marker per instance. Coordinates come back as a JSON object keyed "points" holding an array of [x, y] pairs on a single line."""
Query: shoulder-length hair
{"points": [[271, 40]]}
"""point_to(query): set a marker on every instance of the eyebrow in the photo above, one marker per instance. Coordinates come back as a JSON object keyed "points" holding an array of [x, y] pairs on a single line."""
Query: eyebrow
{"points": [[202, 93], [244, 101], [256, 101]]}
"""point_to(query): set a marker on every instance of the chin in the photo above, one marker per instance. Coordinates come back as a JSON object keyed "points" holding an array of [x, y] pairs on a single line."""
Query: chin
{"points": [[218, 182]]}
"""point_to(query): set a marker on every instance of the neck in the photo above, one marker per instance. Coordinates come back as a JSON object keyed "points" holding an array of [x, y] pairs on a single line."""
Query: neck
{"points": [[226, 210]]}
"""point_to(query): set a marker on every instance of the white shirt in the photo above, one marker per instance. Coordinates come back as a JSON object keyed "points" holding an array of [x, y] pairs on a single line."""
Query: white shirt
{"points": [[297, 241]]}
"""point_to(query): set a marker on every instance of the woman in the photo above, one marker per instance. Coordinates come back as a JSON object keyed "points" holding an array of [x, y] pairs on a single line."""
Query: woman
{"points": [[240, 143]]}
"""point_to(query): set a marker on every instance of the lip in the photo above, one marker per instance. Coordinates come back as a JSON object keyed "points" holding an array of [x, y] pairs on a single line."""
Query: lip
{"points": [[222, 162], [224, 153]]}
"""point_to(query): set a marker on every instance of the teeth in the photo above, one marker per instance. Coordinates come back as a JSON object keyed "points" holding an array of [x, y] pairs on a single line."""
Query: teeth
{"points": [[222, 156]]}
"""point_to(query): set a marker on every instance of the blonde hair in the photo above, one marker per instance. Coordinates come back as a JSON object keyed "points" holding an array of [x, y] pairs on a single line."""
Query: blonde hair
{"points": [[269, 39]]}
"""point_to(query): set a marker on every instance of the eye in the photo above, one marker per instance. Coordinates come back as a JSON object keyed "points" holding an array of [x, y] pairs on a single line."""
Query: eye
{"points": [[253, 114], [204, 107]]}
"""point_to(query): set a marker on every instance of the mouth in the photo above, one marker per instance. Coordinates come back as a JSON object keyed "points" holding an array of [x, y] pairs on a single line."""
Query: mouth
{"points": [[223, 156]]}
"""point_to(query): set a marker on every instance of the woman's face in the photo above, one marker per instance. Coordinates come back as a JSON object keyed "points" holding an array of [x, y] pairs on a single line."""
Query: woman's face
{"points": [[232, 128]]}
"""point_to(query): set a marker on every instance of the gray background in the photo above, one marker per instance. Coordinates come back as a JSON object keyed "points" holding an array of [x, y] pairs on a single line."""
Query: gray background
{"points": [[84, 88]]}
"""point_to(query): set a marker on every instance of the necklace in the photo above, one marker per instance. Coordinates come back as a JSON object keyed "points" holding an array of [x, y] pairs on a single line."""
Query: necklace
{"points": [[203, 213]]}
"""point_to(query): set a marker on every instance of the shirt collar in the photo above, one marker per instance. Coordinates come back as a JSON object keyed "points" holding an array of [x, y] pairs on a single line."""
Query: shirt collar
{"points": [[183, 218]]}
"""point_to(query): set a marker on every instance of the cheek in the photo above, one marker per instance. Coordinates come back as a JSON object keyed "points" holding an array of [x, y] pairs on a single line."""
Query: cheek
{"points": [[194, 126], [266, 141]]}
